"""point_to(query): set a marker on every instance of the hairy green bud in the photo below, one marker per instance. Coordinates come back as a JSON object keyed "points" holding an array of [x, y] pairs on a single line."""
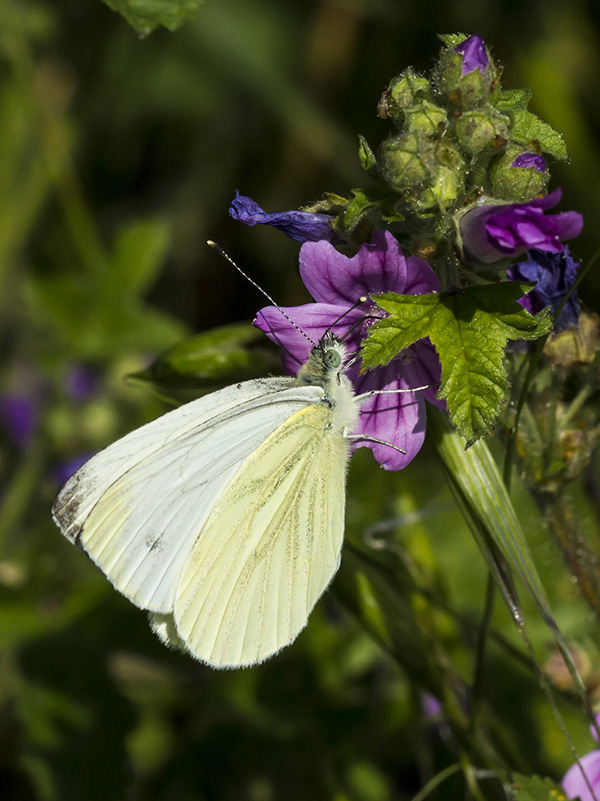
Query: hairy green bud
{"points": [[482, 129], [447, 186], [518, 176], [401, 94], [466, 74], [407, 160], [425, 118]]}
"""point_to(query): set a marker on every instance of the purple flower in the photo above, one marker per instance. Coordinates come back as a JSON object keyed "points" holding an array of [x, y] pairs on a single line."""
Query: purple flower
{"points": [[527, 160], [555, 274], [431, 706], [336, 282], [474, 54], [492, 233], [81, 383], [19, 416], [302, 226], [574, 783]]}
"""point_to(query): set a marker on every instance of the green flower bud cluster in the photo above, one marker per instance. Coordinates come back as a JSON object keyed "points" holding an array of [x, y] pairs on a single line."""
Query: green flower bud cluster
{"points": [[459, 137]]}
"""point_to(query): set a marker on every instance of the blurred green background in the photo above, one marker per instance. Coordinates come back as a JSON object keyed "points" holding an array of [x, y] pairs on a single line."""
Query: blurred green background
{"points": [[119, 155]]}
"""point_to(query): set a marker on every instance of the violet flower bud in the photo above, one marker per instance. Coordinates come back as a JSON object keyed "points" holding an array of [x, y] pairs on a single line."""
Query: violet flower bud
{"points": [[474, 53], [492, 233], [527, 160], [519, 176], [303, 226], [466, 74]]}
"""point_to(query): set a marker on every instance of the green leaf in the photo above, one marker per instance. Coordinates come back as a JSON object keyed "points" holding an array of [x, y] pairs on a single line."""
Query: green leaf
{"points": [[527, 128], [534, 788], [452, 39], [146, 15], [360, 207], [215, 357], [475, 478], [514, 100], [367, 158], [469, 330], [482, 496], [140, 251]]}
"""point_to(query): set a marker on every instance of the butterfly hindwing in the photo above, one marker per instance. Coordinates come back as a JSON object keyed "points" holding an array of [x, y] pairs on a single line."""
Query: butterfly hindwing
{"points": [[269, 547]]}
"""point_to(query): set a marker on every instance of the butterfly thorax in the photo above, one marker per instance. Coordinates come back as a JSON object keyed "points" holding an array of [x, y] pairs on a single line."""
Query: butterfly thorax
{"points": [[324, 368]]}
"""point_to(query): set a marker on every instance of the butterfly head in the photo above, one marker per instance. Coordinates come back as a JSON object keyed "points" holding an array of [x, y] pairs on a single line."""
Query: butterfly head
{"points": [[325, 362]]}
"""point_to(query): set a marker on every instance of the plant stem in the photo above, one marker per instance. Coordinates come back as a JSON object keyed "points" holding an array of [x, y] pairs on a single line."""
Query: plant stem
{"points": [[437, 780]]}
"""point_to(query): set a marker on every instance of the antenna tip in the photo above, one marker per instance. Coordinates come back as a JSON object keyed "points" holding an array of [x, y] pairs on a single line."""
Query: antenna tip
{"points": [[211, 243], [362, 299]]}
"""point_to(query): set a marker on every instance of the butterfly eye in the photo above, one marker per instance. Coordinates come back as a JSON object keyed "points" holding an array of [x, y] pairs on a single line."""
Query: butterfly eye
{"points": [[332, 359]]}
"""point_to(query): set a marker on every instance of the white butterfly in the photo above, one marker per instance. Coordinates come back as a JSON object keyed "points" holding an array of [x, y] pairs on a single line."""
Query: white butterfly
{"points": [[225, 518]]}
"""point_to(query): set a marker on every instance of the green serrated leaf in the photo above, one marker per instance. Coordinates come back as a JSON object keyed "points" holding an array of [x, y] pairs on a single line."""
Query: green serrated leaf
{"points": [[470, 330], [534, 788], [527, 128], [514, 100], [146, 15], [367, 158]]}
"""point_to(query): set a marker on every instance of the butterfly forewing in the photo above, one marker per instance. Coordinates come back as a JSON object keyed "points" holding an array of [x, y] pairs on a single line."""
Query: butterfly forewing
{"points": [[139, 506], [269, 547]]}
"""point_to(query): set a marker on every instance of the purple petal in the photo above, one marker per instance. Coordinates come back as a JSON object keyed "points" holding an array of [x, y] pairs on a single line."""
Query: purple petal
{"points": [[380, 267], [474, 54], [554, 274], [527, 160], [573, 782], [491, 233], [399, 419], [396, 419], [312, 319], [303, 226], [546, 202]]}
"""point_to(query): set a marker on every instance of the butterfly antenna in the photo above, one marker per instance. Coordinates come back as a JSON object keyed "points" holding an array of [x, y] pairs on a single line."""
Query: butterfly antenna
{"points": [[222, 253], [362, 299]]}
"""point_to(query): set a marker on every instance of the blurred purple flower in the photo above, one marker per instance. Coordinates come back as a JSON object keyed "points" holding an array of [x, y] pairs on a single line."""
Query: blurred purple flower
{"points": [[19, 417], [63, 471], [574, 783], [495, 232], [527, 160], [431, 706], [336, 282], [81, 383], [474, 54], [555, 274], [303, 226]]}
